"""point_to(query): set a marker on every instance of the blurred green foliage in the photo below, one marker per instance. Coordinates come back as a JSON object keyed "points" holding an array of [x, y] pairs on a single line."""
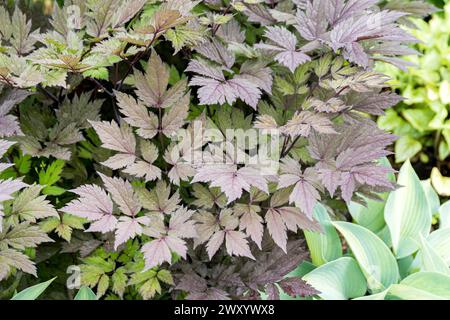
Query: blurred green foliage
{"points": [[422, 121]]}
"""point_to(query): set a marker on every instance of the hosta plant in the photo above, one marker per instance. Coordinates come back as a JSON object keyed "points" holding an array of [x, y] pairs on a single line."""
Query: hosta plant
{"points": [[392, 249], [194, 140], [21, 208]]}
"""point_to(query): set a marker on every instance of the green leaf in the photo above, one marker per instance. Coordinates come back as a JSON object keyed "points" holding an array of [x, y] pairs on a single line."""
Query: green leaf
{"points": [[374, 257], [53, 191], [439, 240], [444, 215], [340, 279], [407, 213], [85, 293], [405, 148], [326, 246], [423, 286], [377, 296], [32, 293]]}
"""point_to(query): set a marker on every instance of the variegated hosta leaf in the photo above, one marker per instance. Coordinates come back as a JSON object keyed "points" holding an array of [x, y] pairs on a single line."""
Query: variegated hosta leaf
{"points": [[168, 239], [95, 205], [281, 218], [305, 193], [160, 199]]}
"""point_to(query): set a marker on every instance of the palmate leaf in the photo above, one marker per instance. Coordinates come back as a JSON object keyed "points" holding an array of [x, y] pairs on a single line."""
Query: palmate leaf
{"points": [[181, 169], [13, 241], [198, 289], [32, 293], [128, 228], [30, 206], [182, 36], [137, 115], [23, 236], [285, 44], [152, 86], [347, 25], [347, 160], [252, 223], [108, 14], [340, 279], [303, 123], [280, 220], [213, 91], [95, 205], [208, 197], [122, 193], [7, 188], [122, 139], [116, 138]]}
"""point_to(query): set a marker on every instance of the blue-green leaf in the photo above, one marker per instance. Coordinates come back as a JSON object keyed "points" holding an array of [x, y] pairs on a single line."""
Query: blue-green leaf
{"points": [[374, 257]]}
